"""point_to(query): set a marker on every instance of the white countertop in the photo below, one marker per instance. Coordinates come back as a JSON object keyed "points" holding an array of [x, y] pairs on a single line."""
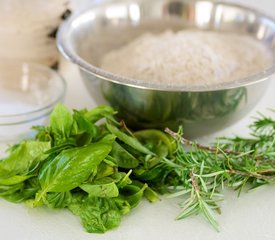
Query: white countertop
{"points": [[249, 217]]}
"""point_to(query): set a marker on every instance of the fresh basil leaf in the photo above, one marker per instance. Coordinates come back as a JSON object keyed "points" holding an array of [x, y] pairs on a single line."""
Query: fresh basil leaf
{"points": [[23, 158], [124, 158], [124, 179], [105, 170], [148, 193], [100, 214], [104, 187], [151, 195], [108, 139], [110, 161], [131, 141], [9, 190], [149, 175], [58, 199], [76, 202], [71, 168], [61, 147], [25, 191], [155, 137], [61, 122], [14, 179], [151, 162], [133, 194], [100, 112], [84, 125], [123, 205], [43, 133], [85, 131]]}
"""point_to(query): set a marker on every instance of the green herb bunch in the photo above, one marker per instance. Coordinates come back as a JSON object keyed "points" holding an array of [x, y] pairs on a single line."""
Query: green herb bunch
{"points": [[87, 162], [77, 164], [199, 173]]}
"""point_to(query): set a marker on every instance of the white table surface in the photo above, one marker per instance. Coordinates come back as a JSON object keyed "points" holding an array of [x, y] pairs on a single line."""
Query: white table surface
{"points": [[250, 217]]}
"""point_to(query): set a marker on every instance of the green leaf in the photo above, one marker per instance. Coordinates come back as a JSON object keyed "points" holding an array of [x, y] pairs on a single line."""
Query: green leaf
{"points": [[105, 170], [58, 200], [100, 215], [9, 190], [123, 205], [61, 147], [123, 157], [43, 134], [148, 192], [124, 179], [155, 137], [108, 139], [104, 187], [153, 174], [84, 125], [61, 122], [100, 112], [14, 180], [84, 130], [133, 194], [131, 141], [151, 195], [71, 168], [23, 158], [28, 191], [19, 192], [76, 202]]}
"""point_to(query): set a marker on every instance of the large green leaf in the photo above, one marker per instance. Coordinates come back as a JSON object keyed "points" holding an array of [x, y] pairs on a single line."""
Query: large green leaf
{"points": [[71, 168]]}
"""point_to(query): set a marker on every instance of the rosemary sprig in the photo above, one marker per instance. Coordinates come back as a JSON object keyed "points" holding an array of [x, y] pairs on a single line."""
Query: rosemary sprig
{"points": [[203, 171]]}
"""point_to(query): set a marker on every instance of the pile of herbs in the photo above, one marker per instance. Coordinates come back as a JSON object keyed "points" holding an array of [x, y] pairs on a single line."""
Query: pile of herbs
{"points": [[97, 168]]}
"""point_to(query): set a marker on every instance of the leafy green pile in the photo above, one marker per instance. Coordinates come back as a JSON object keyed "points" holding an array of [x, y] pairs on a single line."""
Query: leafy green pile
{"points": [[74, 163], [97, 168]]}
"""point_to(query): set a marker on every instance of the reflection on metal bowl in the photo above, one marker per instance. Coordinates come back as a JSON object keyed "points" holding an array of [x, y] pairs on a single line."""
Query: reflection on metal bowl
{"points": [[88, 36]]}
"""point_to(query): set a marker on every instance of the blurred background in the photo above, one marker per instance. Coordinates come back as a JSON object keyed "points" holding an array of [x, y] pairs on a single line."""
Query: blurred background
{"points": [[27, 31], [264, 5]]}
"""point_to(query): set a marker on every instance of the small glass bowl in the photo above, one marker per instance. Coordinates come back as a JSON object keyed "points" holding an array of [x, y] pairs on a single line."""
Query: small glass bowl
{"points": [[28, 94]]}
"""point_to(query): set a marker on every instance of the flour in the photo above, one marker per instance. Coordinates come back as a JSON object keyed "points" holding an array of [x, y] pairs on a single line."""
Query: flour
{"points": [[189, 58]]}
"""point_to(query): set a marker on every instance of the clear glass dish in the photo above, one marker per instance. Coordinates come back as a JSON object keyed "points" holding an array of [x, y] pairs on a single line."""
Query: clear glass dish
{"points": [[28, 93]]}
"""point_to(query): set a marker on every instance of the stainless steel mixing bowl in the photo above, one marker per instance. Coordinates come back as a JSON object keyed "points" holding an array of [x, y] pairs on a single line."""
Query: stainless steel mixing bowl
{"points": [[88, 36]]}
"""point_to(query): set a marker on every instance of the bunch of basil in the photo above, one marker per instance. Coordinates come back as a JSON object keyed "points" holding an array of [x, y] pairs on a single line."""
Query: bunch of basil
{"points": [[86, 165]]}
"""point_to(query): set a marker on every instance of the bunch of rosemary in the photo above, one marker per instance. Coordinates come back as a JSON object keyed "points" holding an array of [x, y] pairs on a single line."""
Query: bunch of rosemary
{"points": [[199, 173]]}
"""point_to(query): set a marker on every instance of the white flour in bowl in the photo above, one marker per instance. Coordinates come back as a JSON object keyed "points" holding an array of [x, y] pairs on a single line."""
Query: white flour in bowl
{"points": [[189, 57]]}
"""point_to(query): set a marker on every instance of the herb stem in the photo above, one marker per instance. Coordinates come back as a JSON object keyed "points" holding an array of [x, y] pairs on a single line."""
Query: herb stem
{"points": [[253, 175], [194, 182], [216, 150]]}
